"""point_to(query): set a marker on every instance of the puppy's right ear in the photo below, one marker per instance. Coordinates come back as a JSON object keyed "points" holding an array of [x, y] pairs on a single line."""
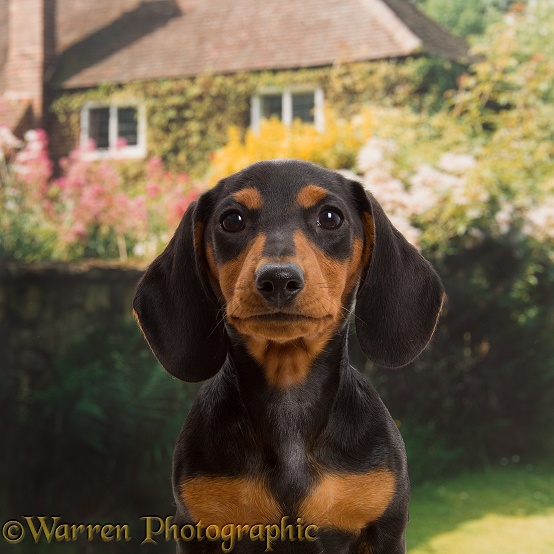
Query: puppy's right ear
{"points": [[175, 306]]}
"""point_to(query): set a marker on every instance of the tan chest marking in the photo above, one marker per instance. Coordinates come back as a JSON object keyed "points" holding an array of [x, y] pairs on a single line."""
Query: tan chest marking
{"points": [[223, 500], [287, 364], [348, 502]]}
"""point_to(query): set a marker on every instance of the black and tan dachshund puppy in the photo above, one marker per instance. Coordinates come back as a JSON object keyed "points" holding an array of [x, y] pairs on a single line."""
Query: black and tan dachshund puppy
{"points": [[255, 293]]}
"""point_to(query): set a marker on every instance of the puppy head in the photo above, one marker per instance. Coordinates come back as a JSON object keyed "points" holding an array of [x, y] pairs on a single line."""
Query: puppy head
{"points": [[284, 247], [276, 255]]}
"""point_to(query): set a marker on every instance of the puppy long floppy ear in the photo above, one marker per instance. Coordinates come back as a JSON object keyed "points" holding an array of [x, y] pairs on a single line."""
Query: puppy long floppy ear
{"points": [[400, 296], [175, 307]]}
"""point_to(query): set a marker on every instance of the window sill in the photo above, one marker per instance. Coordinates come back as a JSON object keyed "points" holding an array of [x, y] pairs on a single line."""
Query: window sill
{"points": [[124, 153]]}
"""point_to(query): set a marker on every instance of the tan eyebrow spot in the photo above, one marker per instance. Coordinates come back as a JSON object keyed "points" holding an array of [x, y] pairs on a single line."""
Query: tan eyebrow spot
{"points": [[310, 195], [250, 198]]}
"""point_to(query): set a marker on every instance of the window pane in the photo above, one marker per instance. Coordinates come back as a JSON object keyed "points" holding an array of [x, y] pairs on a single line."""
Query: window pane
{"points": [[99, 127], [127, 125], [272, 104], [303, 106]]}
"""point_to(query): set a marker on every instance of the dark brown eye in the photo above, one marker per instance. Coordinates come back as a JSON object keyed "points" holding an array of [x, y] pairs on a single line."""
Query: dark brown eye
{"points": [[329, 219], [232, 222]]}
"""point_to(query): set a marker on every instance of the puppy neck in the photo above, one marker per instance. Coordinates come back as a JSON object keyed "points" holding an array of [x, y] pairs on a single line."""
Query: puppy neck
{"points": [[315, 390]]}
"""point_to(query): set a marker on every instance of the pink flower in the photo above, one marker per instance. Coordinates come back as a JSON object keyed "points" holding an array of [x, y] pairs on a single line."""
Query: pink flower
{"points": [[179, 207], [121, 143], [154, 168], [91, 202], [76, 233], [153, 190]]}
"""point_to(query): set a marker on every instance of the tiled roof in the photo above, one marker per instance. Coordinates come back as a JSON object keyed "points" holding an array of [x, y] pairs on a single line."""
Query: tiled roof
{"points": [[125, 40], [117, 41]]}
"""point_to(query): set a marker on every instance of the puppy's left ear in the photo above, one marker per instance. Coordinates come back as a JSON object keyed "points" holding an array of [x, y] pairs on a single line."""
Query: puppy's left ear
{"points": [[400, 297]]}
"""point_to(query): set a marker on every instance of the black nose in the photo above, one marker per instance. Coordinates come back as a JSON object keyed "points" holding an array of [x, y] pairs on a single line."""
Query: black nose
{"points": [[279, 283]]}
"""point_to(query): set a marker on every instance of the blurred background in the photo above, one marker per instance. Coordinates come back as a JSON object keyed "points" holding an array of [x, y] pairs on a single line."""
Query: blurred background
{"points": [[115, 115]]}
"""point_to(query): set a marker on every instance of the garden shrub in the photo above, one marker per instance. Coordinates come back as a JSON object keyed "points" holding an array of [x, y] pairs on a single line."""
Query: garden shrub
{"points": [[474, 189], [92, 438], [481, 392], [91, 210], [336, 147]]}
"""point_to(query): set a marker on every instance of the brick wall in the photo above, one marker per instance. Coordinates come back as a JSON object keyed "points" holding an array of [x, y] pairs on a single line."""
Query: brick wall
{"points": [[31, 51]]}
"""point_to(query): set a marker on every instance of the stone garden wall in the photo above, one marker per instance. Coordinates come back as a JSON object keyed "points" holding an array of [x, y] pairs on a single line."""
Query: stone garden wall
{"points": [[45, 306]]}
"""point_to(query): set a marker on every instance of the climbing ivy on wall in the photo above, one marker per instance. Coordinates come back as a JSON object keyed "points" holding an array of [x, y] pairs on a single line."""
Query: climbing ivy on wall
{"points": [[188, 118]]}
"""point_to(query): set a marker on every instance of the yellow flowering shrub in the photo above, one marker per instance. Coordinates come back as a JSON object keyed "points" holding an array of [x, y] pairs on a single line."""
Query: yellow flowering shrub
{"points": [[335, 147]]}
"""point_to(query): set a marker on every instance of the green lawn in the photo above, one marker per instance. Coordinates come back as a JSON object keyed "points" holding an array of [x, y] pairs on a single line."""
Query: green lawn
{"points": [[502, 511]]}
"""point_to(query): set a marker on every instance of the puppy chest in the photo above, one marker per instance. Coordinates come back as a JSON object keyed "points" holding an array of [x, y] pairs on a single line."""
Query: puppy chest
{"points": [[332, 500]]}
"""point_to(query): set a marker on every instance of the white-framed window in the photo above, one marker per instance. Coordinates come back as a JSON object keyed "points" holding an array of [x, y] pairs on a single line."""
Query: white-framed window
{"points": [[304, 103], [117, 130]]}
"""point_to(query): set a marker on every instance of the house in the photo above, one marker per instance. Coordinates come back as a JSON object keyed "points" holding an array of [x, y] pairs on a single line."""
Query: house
{"points": [[100, 70]]}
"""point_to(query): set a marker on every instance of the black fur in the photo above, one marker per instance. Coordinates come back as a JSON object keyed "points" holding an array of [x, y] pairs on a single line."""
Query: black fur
{"points": [[239, 424]]}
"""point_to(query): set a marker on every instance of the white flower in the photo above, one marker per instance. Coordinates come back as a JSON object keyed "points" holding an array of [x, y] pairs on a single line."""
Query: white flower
{"points": [[139, 249], [31, 135], [146, 249], [540, 220], [503, 217], [10, 206], [429, 177], [8, 141], [373, 154], [422, 199], [456, 163]]}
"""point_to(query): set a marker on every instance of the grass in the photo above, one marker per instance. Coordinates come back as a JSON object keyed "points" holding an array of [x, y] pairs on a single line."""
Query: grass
{"points": [[501, 511]]}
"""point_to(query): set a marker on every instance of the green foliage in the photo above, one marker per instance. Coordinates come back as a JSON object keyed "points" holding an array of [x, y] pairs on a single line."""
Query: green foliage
{"points": [[419, 83], [92, 439], [188, 119], [482, 385], [28, 238], [483, 389], [467, 18]]}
